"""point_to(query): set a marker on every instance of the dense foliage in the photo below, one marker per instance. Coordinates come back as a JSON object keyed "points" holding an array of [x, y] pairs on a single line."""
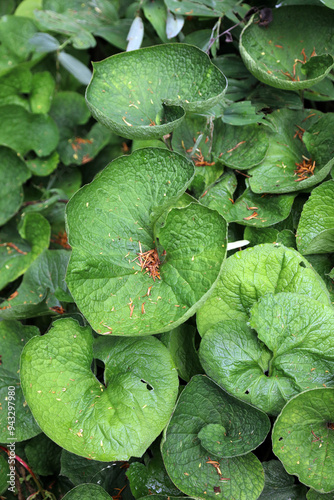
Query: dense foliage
{"points": [[166, 249]]}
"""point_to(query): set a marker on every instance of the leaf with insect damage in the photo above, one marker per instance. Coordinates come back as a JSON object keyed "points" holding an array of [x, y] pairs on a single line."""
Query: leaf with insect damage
{"points": [[145, 93], [300, 153], [128, 274], [207, 443], [293, 51], [254, 272], [303, 438], [107, 421], [285, 348], [315, 232]]}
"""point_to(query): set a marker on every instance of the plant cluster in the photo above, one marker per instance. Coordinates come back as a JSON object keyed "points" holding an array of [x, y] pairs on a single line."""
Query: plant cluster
{"points": [[166, 250]]}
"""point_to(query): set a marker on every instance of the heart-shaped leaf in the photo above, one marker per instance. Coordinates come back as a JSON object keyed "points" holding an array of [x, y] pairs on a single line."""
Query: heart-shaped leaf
{"points": [[13, 337], [118, 246], [110, 421], [254, 272], [140, 96], [300, 152], [293, 350], [303, 438], [294, 50], [315, 232], [203, 409]]}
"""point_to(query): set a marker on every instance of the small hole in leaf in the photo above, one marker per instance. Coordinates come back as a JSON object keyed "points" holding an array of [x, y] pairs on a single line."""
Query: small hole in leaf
{"points": [[302, 264], [247, 392], [266, 373], [280, 439], [148, 386]]}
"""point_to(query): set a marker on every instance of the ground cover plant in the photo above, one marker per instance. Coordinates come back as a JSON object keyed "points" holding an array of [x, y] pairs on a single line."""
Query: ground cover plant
{"points": [[166, 249]]}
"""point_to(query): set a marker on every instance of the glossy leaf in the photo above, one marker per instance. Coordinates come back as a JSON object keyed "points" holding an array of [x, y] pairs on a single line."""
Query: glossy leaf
{"points": [[110, 421], [279, 485], [303, 438], [169, 89], [253, 273], [86, 492], [315, 232], [199, 472], [107, 232], [13, 337], [293, 50]]}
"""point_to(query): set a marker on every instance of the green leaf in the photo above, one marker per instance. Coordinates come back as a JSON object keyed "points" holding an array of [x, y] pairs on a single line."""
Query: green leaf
{"points": [[87, 492], [219, 195], [289, 146], [270, 235], [43, 166], [279, 485], [323, 264], [202, 405], [18, 250], [257, 210], [156, 13], [292, 350], [240, 80], [110, 421], [303, 438], [4, 474], [13, 337], [181, 344], [151, 477], [275, 53], [315, 232], [138, 96], [254, 272], [315, 495], [241, 114], [205, 8], [15, 32], [43, 86], [13, 85], [114, 218], [24, 131], [239, 147], [43, 455], [14, 173], [36, 296]]}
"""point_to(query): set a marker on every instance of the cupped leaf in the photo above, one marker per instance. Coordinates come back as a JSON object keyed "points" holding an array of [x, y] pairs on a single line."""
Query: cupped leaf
{"points": [[111, 226], [303, 438], [257, 210], [87, 492], [254, 272], [293, 51], [14, 173], [144, 94], [197, 471], [293, 350], [13, 337], [41, 286], [315, 232], [110, 421], [300, 152], [24, 131], [20, 246]]}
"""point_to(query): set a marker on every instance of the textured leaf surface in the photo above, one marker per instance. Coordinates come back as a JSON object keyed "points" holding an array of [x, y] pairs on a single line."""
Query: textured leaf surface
{"points": [[37, 294], [19, 249], [293, 350], [110, 421], [275, 53], [13, 337], [198, 8], [24, 131], [279, 485], [303, 438], [145, 93], [252, 209], [288, 145], [203, 404], [87, 492], [254, 272], [315, 232], [11, 193], [110, 217]]}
